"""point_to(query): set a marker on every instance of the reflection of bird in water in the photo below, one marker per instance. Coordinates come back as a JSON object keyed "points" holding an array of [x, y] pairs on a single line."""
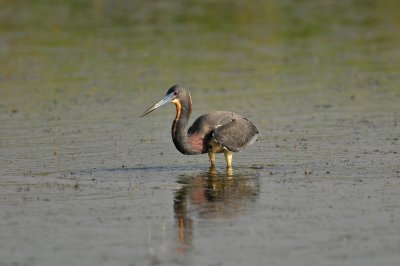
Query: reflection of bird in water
{"points": [[211, 195], [211, 133]]}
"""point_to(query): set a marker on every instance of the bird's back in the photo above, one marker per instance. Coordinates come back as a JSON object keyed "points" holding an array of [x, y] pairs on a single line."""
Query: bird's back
{"points": [[230, 130]]}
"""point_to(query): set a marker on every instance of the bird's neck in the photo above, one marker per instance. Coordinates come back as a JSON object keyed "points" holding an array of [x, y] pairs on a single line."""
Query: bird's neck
{"points": [[178, 131]]}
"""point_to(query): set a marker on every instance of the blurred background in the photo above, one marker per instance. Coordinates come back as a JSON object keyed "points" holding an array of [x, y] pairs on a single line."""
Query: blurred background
{"points": [[56, 49]]}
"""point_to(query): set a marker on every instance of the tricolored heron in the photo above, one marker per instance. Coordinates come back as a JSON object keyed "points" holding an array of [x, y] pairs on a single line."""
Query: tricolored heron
{"points": [[211, 133]]}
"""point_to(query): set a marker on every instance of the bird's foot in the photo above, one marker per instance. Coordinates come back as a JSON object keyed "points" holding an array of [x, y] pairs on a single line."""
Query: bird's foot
{"points": [[229, 172]]}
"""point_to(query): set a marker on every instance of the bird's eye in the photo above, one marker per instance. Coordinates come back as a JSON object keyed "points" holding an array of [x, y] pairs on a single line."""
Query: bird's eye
{"points": [[175, 93]]}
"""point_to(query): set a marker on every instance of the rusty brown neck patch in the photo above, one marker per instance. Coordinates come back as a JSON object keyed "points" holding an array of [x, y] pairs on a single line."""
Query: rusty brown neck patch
{"points": [[178, 108], [178, 113]]}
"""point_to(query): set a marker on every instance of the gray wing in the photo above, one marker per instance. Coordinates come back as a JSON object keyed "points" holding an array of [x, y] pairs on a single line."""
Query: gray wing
{"points": [[236, 135], [231, 130]]}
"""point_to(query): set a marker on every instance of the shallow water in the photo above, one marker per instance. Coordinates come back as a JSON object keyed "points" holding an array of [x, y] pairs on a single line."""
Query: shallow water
{"points": [[84, 181]]}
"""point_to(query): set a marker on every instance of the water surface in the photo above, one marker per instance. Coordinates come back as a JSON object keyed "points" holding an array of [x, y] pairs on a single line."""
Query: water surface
{"points": [[84, 181]]}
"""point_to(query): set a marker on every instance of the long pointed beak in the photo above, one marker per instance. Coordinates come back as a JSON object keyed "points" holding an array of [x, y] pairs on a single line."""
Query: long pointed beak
{"points": [[163, 101]]}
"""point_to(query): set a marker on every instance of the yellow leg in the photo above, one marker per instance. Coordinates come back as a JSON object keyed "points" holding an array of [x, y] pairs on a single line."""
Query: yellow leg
{"points": [[212, 158], [228, 158]]}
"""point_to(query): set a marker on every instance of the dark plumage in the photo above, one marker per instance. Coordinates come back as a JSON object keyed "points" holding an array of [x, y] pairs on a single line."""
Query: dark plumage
{"points": [[211, 133]]}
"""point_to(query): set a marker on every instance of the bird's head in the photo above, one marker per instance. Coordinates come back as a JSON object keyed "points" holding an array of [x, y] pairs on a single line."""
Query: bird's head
{"points": [[176, 94]]}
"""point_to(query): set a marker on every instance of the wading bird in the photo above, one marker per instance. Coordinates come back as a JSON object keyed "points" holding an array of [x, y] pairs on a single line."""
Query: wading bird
{"points": [[211, 133]]}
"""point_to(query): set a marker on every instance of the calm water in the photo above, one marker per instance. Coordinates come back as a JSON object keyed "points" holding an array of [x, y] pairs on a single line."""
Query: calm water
{"points": [[84, 181]]}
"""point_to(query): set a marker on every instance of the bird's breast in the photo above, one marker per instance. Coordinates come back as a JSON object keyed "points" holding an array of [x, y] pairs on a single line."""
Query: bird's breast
{"points": [[197, 142]]}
